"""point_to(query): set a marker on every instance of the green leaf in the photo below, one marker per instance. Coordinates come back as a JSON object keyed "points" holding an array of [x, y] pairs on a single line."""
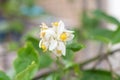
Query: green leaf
{"points": [[45, 60], [101, 15], [68, 64], [69, 55], [96, 75], [101, 34], [28, 73], [29, 3], [105, 35], [89, 22], [92, 30], [35, 43], [13, 45], [26, 56], [75, 46], [53, 76], [3, 76], [116, 37], [17, 26]]}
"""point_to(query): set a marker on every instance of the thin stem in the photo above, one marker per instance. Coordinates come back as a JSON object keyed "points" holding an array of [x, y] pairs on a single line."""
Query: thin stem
{"points": [[111, 69], [58, 62], [80, 64], [98, 57], [100, 53]]}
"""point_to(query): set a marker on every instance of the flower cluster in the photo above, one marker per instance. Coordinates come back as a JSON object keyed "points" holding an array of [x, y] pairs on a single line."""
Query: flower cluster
{"points": [[54, 39]]}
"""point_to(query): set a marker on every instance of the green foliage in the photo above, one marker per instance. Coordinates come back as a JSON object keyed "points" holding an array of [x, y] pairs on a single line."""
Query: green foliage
{"points": [[29, 3], [115, 38], [16, 26], [13, 45], [10, 7], [30, 58], [35, 43], [75, 46], [12, 14], [53, 76], [69, 55], [96, 75], [71, 49], [101, 15], [69, 64], [26, 56], [3, 76], [103, 35], [93, 30], [89, 22], [84, 75], [28, 73], [45, 60]]}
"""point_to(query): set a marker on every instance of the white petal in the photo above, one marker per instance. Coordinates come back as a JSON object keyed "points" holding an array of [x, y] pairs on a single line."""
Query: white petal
{"points": [[69, 31], [53, 44], [49, 33], [55, 52], [43, 25], [61, 27], [61, 46], [61, 23], [40, 43], [70, 37], [46, 43], [52, 32]]}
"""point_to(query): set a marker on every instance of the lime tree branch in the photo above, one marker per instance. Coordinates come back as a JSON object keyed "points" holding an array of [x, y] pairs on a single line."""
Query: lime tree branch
{"points": [[104, 56], [82, 64]]}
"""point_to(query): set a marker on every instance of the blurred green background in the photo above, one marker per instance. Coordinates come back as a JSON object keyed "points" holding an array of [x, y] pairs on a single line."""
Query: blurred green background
{"points": [[92, 55]]}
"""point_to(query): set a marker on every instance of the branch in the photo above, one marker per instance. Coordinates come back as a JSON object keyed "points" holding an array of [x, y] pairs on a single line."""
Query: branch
{"points": [[43, 73], [99, 52], [99, 57], [47, 72], [111, 69]]}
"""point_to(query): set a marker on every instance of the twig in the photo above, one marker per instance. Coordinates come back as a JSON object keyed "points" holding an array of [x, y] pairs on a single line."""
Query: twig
{"points": [[99, 60], [98, 57], [81, 64], [111, 69], [43, 73]]}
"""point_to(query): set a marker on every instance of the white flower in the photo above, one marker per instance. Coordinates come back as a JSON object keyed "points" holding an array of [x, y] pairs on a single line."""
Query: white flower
{"points": [[47, 36], [52, 44], [55, 38], [60, 49], [43, 45], [62, 33], [46, 33], [43, 29]]}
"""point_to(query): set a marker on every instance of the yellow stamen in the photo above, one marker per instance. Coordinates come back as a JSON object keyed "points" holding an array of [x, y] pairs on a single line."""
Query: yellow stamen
{"points": [[63, 36], [56, 24], [42, 34], [44, 28], [44, 47], [59, 51]]}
